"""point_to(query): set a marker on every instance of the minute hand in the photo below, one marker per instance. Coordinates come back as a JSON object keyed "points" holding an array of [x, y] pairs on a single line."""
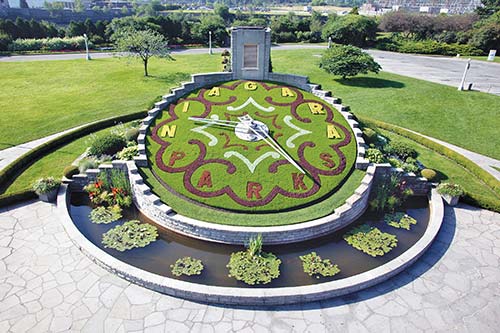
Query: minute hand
{"points": [[271, 142]]}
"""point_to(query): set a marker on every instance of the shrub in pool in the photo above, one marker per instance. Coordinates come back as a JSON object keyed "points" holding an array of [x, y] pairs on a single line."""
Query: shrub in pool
{"points": [[399, 220], [370, 135], [109, 145], [105, 215], [254, 266], [315, 266], [374, 155], [428, 174], [131, 234], [70, 171], [87, 163], [371, 240], [187, 266], [389, 192]]}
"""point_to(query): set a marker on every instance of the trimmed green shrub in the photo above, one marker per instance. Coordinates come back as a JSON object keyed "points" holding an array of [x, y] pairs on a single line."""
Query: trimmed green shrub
{"points": [[107, 145], [428, 174], [347, 60], [374, 155], [371, 240], [49, 44], [395, 163], [187, 266], [131, 134], [12, 198], [370, 135], [315, 266], [70, 171], [426, 47]]}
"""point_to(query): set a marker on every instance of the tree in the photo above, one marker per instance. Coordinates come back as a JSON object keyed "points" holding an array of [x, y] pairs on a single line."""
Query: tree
{"points": [[212, 23], [143, 44], [488, 8], [347, 60], [222, 11], [79, 6], [350, 29]]}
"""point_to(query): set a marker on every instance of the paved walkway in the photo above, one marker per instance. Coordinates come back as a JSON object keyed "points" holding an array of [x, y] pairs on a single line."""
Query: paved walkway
{"points": [[9, 155], [46, 284]]}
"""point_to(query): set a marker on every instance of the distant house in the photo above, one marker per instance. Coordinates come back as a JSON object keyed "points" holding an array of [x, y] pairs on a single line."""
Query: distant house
{"points": [[427, 6]]}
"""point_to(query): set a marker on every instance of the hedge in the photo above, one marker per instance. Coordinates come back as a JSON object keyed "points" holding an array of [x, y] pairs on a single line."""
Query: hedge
{"points": [[472, 167], [9, 199], [13, 170], [49, 44]]}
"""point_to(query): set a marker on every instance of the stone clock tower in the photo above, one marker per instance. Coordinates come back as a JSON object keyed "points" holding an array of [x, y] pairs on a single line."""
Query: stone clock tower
{"points": [[250, 53]]}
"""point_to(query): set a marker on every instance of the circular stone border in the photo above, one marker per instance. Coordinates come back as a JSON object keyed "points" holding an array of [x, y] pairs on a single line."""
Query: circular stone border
{"points": [[251, 296]]}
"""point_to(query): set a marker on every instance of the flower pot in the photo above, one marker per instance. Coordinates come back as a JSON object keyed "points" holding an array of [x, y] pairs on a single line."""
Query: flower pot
{"points": [[450, 200], [49, 196]]}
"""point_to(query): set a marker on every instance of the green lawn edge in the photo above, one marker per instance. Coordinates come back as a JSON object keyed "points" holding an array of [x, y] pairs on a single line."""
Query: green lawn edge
{"points": [[193, 210]]}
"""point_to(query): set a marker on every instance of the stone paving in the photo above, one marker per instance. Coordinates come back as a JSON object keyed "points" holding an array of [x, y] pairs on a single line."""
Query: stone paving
{"points": [[46, 284]]}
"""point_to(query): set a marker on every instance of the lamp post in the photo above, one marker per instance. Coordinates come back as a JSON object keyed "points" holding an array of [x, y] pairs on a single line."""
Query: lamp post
{"points": [[210, 42], [86, 38], [329, 42]]}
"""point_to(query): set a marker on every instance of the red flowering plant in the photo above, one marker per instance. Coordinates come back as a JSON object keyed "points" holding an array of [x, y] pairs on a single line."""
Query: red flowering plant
{"points": [[111, 189]]}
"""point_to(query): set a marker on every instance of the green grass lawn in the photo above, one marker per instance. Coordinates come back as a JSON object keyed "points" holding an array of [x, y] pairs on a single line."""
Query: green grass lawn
{"points": [[40, 98], [447, 170], [466, 119], [53, 164], [485, 58]]}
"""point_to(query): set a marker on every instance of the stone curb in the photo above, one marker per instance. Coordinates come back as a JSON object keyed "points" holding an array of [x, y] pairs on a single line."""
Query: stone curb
{"points": [[251, 296]]}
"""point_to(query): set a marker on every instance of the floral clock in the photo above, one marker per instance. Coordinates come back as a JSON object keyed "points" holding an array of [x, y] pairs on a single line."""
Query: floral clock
{"points": [[251, 146]]}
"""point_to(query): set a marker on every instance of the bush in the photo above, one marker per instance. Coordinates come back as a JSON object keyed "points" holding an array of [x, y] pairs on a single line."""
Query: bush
{"points": [[370, 135], [45, 185], [426, 47], [128, 153], [395, 163], [131, 134], [87, 163], [454, 190], [401, 149], [70, 171], [49, 44], [350, 29], [428, 174], [410, 165], [347, 60], [374, 155], [109, 145]]}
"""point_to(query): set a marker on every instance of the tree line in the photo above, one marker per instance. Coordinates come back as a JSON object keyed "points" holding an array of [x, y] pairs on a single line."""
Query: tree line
{"points": [[396, 31]]}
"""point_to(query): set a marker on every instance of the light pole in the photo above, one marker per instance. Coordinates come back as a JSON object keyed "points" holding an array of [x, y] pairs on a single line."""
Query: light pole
{"points": [[329, 42], [210, 42], [86, 46], [462, 83]]}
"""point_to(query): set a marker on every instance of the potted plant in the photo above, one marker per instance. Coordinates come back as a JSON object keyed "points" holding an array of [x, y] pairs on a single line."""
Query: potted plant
{"points": [[46, 188], [450, 192]]}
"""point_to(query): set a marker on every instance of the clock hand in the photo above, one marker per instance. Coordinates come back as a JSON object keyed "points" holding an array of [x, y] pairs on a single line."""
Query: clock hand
{"points": [[271, 142]]}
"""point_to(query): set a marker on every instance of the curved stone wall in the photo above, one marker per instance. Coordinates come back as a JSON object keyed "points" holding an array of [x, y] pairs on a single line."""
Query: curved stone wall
{"points": [[252, 296]]}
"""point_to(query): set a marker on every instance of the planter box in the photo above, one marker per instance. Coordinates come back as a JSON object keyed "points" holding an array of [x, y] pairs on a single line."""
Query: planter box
{"points": [[49, 196], [450, 200]]}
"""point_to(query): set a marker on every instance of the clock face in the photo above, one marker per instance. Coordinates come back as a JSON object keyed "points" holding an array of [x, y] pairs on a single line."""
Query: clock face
{"points": [[251, 146]]}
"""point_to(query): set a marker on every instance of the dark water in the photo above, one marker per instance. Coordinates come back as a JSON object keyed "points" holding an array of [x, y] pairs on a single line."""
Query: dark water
{"points": [[158, 256]]}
